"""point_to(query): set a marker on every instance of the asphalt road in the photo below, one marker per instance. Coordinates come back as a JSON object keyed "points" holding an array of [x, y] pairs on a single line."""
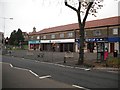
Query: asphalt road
{"points": [[68, 75], [22, 78]]}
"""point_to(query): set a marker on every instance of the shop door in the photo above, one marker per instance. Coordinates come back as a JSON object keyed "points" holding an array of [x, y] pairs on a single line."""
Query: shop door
{"points": [[71, 47], [66, 47], [61, 47], [111, 47]]}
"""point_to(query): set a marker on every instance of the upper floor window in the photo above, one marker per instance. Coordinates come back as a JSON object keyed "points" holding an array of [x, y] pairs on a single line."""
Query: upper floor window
{"points": [[31, 37], [85, 33], [115, 31], [53, 36], [38, 37], [62, 35], [44, 37], [97, 33], [70, 34]]}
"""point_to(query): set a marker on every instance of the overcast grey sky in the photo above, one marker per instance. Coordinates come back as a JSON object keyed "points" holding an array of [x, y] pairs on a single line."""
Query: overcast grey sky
{"points": [[44, 14]]}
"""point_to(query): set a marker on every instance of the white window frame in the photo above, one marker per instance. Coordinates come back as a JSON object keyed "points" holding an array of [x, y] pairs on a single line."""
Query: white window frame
{"points": [[44, 37], [97, 32], [115, 31], [31, 37], [38, 37], [62, 35], [85, 33], [53, 36], [70, 34]]}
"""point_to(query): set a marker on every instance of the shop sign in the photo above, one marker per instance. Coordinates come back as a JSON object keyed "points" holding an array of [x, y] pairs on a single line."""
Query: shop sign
{"points": [[34, 42], [58, 41], [114, 39], [96, 40]]}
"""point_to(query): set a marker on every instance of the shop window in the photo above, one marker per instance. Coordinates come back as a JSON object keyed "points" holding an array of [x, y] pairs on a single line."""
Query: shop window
{"points": [[62, 35], [70, 34], [97, 33], [52, 36], [115, 31]]}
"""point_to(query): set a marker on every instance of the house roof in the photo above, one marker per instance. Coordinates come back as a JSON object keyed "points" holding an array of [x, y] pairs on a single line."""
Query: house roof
{"points": [[89, 24]]}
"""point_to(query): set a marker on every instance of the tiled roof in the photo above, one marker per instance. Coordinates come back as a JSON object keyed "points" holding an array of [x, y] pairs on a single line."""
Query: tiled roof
{"points": [[103, 22], [89, 24]]}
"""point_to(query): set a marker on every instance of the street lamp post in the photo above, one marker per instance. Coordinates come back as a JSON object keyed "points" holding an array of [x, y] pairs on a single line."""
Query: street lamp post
{"points": [[4, 18], [4, 22]]}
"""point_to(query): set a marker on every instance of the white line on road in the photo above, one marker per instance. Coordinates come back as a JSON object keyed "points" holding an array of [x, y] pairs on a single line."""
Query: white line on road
{"points": [[21, 68], [113, 71], [37, 61], [11, 65], [24, 69], [45, 77], [80, 87], [87, 69], [33, 73], [60, 65]]}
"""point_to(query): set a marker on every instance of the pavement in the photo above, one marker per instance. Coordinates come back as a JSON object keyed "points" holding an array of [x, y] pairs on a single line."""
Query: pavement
{"points": [[58, 58]]}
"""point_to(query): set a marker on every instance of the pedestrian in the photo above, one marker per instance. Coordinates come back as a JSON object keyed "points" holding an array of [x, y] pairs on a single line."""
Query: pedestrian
{"points": [[106, 56], [53, 46]]}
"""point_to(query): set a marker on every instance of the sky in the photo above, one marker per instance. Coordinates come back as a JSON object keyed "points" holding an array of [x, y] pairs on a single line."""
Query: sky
{"points": [[43, 14]]}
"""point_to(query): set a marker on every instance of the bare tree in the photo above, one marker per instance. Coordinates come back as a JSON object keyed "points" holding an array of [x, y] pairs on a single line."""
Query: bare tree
{"points": [[83, 8]]}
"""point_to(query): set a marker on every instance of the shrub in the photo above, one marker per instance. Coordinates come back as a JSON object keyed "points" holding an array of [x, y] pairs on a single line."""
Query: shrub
{"points": [[113, 62]]}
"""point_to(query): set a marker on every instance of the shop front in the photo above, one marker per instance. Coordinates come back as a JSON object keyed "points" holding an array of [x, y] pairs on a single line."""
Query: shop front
{"points": [[114, 44], [100, 45], [93, 42], [60, 45], [34, 45]]}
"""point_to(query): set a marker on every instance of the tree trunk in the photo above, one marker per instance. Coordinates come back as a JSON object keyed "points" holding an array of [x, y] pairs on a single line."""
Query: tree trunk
{"points": [[81, 37], [81, 46]]}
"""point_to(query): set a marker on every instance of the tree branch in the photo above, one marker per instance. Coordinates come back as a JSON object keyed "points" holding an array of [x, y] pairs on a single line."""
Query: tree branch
{"points": [[70, 6], [87, 12]]}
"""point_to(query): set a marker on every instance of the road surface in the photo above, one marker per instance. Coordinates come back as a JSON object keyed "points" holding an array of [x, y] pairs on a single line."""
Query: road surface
{"points": [[69, 76]]}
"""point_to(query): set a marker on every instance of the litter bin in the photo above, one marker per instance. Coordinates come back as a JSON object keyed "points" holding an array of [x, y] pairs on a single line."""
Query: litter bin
{"points": [[115, 53]]}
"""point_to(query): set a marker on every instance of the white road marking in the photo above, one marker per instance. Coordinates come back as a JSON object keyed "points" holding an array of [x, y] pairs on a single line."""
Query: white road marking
{"points": [[33, 73], [88, 69], [45, 77], [80, 87], [37, 61], [11, 65], [69, 67], [80, 68], [65, 66], [60, 65], [24, 69], [113, 71], [21, 68]]}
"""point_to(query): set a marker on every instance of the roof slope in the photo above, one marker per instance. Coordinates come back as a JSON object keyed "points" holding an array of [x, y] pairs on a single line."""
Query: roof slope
{"points": [[89, 24]]}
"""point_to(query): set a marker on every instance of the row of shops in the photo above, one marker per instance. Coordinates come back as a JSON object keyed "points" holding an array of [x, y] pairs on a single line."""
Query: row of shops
{"points": [[100, 36], [63, 45]]}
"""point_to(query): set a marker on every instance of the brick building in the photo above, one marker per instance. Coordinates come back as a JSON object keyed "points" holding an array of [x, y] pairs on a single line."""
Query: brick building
{"points": [[66, 37]]}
